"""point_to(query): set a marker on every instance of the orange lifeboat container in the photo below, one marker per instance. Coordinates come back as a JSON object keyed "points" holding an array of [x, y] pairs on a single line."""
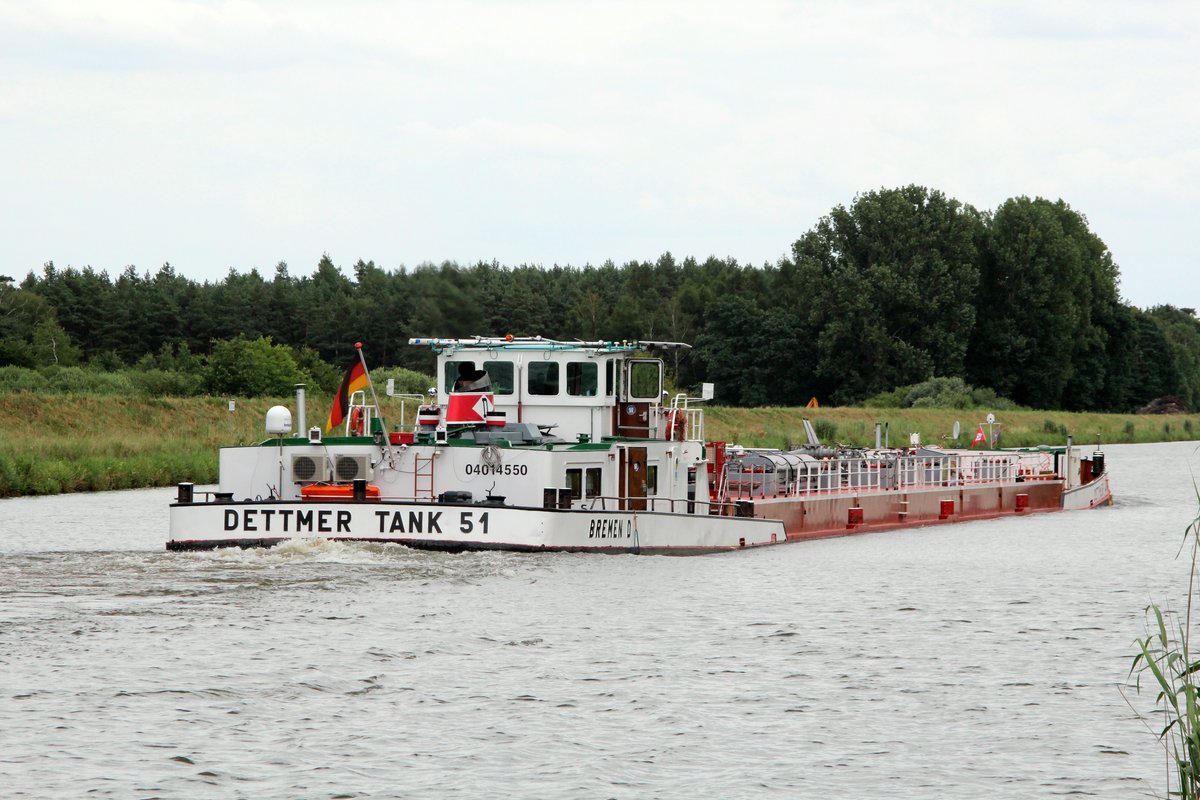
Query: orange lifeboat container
{"points": [[339, 491]]}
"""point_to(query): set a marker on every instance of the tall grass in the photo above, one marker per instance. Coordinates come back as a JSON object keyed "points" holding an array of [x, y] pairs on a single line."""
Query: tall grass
{"points": [[71, 443], [86, 435], [775, 427], [1164, 665], [81, 442]]}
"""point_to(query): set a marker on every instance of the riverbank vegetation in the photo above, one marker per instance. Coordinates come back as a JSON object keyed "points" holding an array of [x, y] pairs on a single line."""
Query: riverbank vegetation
{"points": [[906, 306], [52, 442], [1165, 667], [899, 287], [784, 427]]}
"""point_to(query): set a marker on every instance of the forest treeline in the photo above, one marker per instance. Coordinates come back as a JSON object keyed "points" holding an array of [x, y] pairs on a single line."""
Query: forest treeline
{"points": [[901, 286]]}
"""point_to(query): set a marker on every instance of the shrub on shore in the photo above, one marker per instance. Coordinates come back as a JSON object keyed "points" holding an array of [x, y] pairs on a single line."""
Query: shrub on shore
{"points": [[940, 393]]}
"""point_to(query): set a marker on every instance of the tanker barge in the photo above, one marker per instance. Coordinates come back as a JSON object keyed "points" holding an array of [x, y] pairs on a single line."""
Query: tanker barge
{"points": [[530, 444]]}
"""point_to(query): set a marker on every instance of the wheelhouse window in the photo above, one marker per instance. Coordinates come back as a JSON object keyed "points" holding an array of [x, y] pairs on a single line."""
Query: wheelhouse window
{"points": [[450, 372], [582, 378], [645, 379], [502, 376], [610, 381], [543, 377], [500, 373]]}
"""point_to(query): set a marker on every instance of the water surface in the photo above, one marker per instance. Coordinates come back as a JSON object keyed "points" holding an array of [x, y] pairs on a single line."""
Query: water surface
{"points": [[977, 660]]}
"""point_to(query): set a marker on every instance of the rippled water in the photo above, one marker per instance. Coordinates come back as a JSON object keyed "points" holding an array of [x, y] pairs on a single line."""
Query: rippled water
{"points": [[979, 660]]}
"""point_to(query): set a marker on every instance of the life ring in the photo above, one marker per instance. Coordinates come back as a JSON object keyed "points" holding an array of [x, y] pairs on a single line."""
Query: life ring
{"points": [[356, 421], [680, 427]]}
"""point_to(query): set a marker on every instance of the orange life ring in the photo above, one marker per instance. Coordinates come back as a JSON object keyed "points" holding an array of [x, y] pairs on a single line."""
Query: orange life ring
{"points": [[356, 421]]}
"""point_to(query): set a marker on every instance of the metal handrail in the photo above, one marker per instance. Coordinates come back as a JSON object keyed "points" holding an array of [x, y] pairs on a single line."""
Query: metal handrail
{"points": [[831, 476], [664, 504]]}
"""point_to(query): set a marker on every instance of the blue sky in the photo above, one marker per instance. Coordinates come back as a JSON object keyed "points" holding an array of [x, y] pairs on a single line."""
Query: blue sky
{"points": [[218, 135]]}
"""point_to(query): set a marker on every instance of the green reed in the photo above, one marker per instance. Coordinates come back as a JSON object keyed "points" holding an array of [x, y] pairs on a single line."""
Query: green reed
{"points": [[1164, 659]]}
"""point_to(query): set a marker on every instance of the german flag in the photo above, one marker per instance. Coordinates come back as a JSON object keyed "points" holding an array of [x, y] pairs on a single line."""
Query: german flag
{"points": [[355, 380]]}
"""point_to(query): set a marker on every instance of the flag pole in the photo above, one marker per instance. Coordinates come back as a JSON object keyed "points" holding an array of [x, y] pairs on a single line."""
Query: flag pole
{"points": [[387, 440]]}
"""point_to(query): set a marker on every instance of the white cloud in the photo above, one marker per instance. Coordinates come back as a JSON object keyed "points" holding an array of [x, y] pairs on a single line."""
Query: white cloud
{"points": [[552, 132]]}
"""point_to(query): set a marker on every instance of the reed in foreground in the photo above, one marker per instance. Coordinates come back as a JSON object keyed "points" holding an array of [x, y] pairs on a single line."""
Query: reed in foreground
{"points": [[1165, 664]]}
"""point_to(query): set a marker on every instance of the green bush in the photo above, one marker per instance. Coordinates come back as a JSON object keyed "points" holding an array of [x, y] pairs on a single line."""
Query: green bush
{"points": [[1055, 428], [165, 383], [826, 430], [63, 380], [325, 377], [20, 379], [892, 399], [173, 359], [240, 367], [983, 397], [940, 393], [408, 381], [108, 361], [252, 368], [77, 380]]}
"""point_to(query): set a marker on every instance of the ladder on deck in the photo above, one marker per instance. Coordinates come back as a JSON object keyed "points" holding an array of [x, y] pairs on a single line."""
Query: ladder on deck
{"points": [[423, 477]]}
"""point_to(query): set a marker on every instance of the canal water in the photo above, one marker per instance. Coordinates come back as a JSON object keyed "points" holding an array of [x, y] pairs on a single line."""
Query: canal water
{"points": [[976, 660]]}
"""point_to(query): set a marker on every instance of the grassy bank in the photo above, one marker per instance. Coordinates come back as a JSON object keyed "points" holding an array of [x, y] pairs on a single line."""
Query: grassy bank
{"points": [[75, 443], [781, 427], [78, 443]]}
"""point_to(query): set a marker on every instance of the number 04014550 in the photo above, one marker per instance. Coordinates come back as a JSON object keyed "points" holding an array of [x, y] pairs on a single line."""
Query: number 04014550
{"points": [[498, 469]]}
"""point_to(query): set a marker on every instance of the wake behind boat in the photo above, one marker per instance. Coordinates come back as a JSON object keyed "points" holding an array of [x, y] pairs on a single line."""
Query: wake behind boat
{"points": [[530, 444]]}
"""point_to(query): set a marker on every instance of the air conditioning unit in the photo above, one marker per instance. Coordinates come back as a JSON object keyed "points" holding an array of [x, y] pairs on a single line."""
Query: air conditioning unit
{"points": [[348, 468], [309, 468]]}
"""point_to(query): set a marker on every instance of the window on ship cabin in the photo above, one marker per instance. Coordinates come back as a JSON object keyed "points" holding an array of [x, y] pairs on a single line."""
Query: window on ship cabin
{"points": [[501, 373], [645, 379], [451, 372], [651, 479], [543, 377], [591, 482], [575, 483], [610, 383], [581, 378]]}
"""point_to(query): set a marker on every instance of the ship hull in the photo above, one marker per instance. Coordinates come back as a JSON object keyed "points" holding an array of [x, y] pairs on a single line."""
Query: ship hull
{"points": [[753, 522], [441, 526]]}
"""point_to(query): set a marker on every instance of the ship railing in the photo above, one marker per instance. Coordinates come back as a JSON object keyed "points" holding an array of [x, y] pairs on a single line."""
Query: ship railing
{"points": [[682, 420], [902, 473], [667, 505], [1038, 466]]}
